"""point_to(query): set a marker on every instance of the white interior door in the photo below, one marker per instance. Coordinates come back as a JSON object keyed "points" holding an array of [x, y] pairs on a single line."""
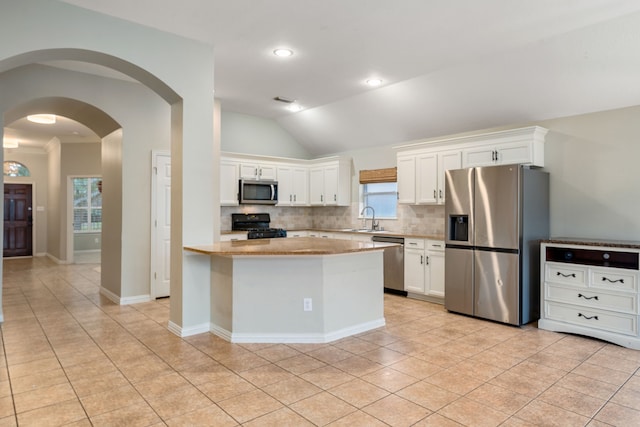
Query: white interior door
{"points": [[161, 223]]}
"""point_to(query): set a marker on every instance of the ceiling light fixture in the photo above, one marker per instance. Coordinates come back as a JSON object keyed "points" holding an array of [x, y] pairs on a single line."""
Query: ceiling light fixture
{"points": [[374, 82], [45, 119], [295, 107], [283, 52]]}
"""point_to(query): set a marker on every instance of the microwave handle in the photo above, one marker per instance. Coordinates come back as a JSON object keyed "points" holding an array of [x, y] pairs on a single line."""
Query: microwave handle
{"points": [[273, 192]]}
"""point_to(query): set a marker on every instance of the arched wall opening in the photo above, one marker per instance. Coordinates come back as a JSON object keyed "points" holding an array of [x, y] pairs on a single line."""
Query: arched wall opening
{"points": [[175, 131], [56, 230]]}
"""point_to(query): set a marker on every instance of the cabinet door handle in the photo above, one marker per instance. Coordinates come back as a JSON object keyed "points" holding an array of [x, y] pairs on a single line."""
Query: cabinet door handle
{"points": [[290, 197], [566, 275], [435, 195], [427, 258], [421, 259], [595, 297], [606, 279], [413, 243], [440, 194], [587, 317], [295, 198], [335, 197], [321, 198]]}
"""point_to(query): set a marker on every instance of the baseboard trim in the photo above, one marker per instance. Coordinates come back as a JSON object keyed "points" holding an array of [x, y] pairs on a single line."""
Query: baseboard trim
{"points": [[187, 332], [124, 301], [296, 338]]}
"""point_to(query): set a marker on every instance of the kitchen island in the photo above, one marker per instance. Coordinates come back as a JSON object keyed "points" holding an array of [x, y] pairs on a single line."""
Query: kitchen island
{"points": [[302, 290]]}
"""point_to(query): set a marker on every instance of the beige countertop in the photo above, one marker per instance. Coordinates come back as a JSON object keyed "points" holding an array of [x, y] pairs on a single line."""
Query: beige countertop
{"points": [[297, 246], [593, 242]]}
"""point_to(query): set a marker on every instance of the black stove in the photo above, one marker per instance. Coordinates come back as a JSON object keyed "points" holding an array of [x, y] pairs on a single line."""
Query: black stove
{"points": [[256, 225]]}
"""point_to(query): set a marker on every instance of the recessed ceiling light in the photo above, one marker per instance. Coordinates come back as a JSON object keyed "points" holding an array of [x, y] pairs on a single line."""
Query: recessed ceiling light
{"points": [[295, 107], [374, 82], [283, 52], [45, 119]]}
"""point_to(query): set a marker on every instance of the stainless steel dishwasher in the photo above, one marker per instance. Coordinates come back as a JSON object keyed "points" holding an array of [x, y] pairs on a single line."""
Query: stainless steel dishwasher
{"points": [[393, 265]]}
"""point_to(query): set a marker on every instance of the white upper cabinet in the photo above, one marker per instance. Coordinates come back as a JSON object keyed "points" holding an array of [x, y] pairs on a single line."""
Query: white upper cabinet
{"points": [[320, 182], [422, 166], [229, 182], [451, 159], [406, 179], [428, 178], [517, 146], [293, 185], [258, 171], [330, 183]]}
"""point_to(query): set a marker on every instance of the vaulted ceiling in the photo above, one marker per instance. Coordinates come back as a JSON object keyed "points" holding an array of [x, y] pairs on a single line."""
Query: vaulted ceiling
{"points": [[447, 66]]}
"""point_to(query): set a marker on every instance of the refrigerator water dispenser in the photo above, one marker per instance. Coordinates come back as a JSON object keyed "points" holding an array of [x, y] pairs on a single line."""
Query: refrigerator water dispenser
{"points": [[459, 228]]}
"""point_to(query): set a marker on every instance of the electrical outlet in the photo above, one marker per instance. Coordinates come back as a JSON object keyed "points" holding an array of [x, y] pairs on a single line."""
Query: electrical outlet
{"points": [[307, 304]]}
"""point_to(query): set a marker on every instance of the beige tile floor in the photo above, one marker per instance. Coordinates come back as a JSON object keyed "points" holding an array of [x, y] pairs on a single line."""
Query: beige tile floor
{"points": [[70, 357]]}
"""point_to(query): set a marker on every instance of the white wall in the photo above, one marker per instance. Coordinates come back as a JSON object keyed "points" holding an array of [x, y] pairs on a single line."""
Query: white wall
{"points": [[593, 161], [181, 72], [242, 133]]}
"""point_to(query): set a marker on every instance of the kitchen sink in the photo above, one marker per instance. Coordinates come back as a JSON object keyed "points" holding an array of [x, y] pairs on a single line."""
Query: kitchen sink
{"points": [[363, 230]]}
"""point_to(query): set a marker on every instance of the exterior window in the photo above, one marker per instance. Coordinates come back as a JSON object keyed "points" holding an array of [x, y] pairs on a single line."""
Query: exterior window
{"points": [[87, 205], [13, 168], [381, 196]]}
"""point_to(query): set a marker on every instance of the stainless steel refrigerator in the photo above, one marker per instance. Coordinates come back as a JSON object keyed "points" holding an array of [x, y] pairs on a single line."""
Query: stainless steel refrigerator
{"points": [[495, 217]]}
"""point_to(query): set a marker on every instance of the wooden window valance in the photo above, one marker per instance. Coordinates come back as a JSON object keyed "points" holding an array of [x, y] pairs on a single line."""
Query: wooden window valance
{"points": [[378, 175]]}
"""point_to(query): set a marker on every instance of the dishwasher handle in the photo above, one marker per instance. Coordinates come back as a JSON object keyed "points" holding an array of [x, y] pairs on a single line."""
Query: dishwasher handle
{"points": [[388, 239]]}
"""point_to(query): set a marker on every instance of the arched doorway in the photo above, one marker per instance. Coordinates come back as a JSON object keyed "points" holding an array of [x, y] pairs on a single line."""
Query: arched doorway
{"points": [[115, 185], [178, 71]]}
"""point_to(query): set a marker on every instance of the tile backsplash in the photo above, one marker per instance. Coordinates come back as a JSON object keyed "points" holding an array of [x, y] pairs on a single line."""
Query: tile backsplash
{"points": [[412, 219]]}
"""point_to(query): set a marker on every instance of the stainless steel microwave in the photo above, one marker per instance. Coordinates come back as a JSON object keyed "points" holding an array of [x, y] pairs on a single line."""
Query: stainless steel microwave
{"points": [[258, 192]]}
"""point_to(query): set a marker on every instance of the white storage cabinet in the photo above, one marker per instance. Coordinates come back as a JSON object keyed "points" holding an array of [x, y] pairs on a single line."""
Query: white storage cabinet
{"points": [[424, 269], [330, 183], [592, 291], [229, 174], [293, 184]]}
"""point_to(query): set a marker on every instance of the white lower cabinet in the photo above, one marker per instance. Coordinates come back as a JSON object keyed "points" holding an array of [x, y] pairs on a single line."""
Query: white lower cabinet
{"points": [[424, 269], [323, 234], [598, 300], [233, 237], [414, 266], [303, 233], [435, 253]]}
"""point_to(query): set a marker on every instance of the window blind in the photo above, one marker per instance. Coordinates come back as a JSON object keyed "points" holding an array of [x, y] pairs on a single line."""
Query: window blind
{"points": [[372, 176]]}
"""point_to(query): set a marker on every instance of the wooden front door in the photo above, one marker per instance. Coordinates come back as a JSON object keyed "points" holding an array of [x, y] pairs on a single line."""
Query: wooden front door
{"points": [[18, 220]]}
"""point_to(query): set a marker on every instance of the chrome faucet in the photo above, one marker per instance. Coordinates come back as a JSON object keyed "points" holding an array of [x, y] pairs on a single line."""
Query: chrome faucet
{"points": [[374, 224]]}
